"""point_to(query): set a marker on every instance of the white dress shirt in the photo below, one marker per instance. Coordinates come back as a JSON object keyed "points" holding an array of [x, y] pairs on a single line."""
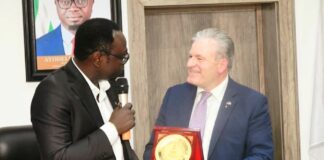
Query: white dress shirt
{"points": [[106, 109], [67, 37], [213, 104]]}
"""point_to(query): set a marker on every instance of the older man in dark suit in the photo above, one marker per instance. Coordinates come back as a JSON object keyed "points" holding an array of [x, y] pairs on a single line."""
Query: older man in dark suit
{"points": [[233, 119]]}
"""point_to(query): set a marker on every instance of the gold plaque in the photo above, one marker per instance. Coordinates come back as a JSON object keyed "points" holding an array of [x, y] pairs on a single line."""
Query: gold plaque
{"points": [[174, 143], [173, 147]]}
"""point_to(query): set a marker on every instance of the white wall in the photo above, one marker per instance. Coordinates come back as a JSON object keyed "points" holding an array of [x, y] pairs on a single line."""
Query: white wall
{"points": [[306, 13], [16, 94]]}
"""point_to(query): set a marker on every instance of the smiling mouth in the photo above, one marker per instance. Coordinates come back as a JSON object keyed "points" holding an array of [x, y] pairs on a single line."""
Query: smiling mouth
{"points": [[193, 72], [74, 17]]}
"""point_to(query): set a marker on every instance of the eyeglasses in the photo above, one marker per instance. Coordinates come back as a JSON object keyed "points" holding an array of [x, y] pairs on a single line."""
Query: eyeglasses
{"points": [[65, 4], [124, 58]]}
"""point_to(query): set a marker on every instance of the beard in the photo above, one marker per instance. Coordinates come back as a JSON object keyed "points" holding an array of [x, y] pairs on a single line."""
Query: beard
{"points": [[73, 27]]}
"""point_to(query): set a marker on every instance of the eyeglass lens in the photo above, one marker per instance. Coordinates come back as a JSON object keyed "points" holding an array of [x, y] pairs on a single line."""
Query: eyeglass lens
{"points": [[124, 58], [65, 4]]}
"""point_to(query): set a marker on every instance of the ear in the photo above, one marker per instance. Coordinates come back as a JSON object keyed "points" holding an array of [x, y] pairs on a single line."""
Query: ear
{"points": [[96, 59], [222, 65]]}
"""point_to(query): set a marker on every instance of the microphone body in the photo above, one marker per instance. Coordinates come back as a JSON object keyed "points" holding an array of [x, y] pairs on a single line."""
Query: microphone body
{"points": [[122, 88], [123, 99]]}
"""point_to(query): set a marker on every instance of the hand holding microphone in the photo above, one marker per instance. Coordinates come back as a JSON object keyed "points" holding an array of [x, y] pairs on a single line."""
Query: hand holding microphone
{"points": [[126, 117], [123, 118]]}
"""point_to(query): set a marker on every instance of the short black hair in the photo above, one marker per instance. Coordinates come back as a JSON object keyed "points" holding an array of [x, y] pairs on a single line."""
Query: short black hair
{"points": [[93, 35]]}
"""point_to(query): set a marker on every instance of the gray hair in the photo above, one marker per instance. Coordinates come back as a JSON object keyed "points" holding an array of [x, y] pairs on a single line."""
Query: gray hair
{"points": [[226, 42]]}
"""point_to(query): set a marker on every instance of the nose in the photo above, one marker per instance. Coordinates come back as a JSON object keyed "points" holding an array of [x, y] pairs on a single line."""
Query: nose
{"points": [[191, 62], [73, 5]]}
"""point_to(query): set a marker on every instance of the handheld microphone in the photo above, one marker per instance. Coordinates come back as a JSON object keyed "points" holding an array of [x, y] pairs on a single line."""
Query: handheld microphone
{"points": [[122, 89]]}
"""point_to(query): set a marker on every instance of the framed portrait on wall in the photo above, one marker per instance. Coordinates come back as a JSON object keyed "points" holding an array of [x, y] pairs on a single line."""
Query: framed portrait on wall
{"points": [[50, 26]]}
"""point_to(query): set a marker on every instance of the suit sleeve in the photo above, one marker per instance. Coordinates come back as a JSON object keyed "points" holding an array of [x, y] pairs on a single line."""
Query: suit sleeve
{"points": [[51, 117], [160, 121], [259, 138]]}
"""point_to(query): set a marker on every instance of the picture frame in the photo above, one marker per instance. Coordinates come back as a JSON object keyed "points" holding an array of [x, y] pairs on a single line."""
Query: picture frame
{"points": [[39, 66]]}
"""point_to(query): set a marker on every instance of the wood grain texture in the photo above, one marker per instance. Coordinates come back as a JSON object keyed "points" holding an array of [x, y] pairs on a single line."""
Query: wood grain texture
{"points": [[288, 80], [272, 73], [260, 47], [138, 65]]}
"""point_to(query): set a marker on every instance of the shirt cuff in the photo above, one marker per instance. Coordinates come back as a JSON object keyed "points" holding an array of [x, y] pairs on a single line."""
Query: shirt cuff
{"points": [[111, 132]]}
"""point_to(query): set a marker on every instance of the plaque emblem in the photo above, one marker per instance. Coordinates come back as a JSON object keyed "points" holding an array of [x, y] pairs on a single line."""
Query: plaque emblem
{"points": [[173, 147]]}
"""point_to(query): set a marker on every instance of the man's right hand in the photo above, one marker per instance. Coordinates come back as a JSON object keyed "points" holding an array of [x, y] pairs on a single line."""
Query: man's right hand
{"points": [[123, 118]]}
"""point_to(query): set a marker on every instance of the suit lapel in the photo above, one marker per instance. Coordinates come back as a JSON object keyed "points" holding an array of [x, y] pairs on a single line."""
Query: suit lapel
{"points": [[188, 102], [129, 153], [83, 92], [225, 110]]}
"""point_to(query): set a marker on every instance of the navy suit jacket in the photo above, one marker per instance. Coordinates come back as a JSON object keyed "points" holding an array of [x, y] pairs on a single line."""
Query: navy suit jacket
{"points": [[50, 44], [242, 130]]}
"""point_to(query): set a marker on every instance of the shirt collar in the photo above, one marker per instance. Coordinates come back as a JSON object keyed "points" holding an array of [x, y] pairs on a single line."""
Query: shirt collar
{"points": [[67, 36], [104, 85], [217, 92]]}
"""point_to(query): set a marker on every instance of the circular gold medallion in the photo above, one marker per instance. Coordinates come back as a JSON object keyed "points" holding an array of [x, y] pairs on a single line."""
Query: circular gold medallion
{"points": [[173, 147]]}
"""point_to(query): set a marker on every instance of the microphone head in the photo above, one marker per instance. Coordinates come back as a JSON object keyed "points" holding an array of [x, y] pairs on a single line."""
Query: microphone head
{"points": [[122, 85]]}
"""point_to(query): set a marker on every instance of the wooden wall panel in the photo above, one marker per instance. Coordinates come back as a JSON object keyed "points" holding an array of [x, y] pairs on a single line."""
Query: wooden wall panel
{"points": [[271, 68], [288, 80], [138, 64]]}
